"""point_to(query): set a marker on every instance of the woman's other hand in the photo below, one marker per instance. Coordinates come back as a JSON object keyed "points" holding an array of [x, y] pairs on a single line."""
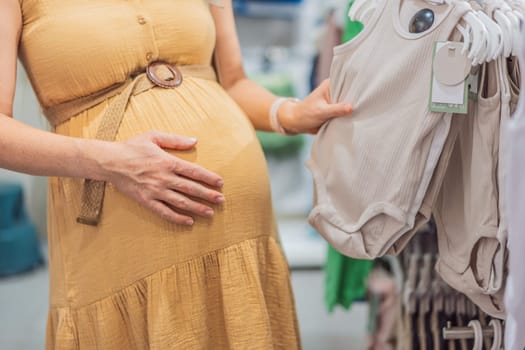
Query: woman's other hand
{"points": [[142, 169], [310, 114]]}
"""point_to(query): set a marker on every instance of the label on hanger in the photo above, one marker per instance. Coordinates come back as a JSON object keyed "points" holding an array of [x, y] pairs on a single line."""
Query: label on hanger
{"points": [[473, 85], [449, 88]]}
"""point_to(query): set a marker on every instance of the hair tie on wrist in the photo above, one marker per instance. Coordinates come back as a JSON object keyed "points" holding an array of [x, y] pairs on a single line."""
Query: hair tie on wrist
{"points": [[275, 123]]}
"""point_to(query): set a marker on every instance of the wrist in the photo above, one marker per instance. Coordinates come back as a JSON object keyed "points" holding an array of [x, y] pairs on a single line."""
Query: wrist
{"points": [[283, 115], [95, 158], [287, 115]]}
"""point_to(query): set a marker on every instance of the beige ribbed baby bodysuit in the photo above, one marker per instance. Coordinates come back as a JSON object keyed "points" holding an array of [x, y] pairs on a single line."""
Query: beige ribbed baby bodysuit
{"points": [[472, 248], [372, 171]]}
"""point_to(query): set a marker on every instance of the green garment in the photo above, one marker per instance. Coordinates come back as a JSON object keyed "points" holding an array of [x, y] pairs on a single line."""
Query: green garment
{"points": [[345, 278], [352, 28]]}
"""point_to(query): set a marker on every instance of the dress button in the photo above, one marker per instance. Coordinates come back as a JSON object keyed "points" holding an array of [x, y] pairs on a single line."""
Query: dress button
{"points": [[141, 20], [149, 56]]}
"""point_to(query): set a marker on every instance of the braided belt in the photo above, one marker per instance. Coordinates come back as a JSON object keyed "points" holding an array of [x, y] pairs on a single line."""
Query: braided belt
{"points": [[158, 74]]}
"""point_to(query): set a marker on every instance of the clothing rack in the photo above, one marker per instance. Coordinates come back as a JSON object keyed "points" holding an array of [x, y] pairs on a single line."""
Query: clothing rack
{"points": [[433, 316], [457, 333], [482, 335]]}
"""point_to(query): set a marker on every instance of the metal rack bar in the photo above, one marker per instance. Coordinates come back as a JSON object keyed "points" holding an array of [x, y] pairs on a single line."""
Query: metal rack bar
{"points": [[456, 333]]}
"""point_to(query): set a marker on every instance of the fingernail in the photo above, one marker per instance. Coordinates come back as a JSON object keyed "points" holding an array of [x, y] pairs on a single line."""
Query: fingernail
{"points": [[192, 139], [220, 200], [209, 212], [220, 183], [189, 222]]}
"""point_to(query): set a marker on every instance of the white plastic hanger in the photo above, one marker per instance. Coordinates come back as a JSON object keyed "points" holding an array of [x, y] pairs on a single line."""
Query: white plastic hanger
{"points": [[360, 9], [475, 36], [480, 44], [516, 30], [479, 38], [367, 13], [518, 11], [497, 340], [493, 44], [506, 23], [495, 37], [513, 12], [465, 32], [518, 6], [478, 334], [498, 9], [354, 8]]}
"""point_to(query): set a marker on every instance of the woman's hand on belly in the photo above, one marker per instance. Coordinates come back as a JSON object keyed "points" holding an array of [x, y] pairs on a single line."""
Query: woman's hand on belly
{"points": [[142, 170]]}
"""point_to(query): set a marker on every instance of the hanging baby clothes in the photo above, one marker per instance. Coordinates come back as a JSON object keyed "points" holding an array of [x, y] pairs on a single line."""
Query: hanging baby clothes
{"points": [[372, 171], [515, 189], [345, 278], [471, 208], [429, 305], [471, 251]]}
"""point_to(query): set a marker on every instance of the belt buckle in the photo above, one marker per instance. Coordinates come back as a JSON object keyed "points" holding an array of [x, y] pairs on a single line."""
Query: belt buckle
{"points": [[170, 82]]}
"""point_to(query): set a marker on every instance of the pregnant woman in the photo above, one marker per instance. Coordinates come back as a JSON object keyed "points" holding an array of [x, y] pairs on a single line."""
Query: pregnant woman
{"points": [[161, 232]]}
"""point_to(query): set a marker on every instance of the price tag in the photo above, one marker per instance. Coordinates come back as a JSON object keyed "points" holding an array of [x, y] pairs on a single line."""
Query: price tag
{"points": [[449, 90]]}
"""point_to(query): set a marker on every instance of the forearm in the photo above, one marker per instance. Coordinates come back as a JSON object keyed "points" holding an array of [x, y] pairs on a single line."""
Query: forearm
{"points": [[28, 150], [290, 117], [256, 102]]}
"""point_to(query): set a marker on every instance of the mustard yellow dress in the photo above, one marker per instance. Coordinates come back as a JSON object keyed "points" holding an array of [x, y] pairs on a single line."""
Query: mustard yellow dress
{"points": [[136, 281]]}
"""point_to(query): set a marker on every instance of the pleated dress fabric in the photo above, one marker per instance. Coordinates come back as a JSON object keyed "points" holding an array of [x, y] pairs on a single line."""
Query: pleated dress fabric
{"points": [[135, 281]]}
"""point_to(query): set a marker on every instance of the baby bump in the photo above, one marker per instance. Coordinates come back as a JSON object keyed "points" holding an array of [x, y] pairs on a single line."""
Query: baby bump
{"points": [[227, 145]]}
